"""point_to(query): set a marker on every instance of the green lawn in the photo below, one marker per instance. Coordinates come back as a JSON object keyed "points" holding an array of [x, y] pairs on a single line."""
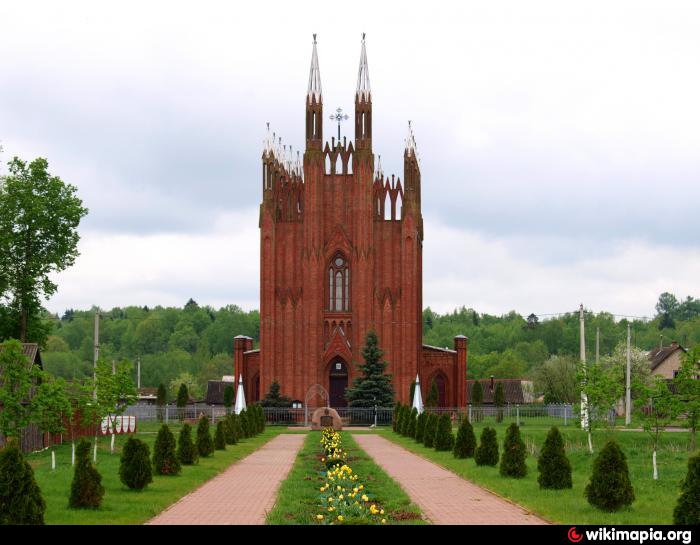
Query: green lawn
{"points": [[297, 500], [121, 505], [654, 502]]}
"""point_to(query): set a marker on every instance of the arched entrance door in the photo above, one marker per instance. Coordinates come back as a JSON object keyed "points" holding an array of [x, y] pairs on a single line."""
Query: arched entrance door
{"points": [[441, 383], [337, 382]]}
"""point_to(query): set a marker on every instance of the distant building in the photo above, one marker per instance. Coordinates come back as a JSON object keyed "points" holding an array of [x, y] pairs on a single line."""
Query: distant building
{"points": [[216, 390], [516, 391], [666, 361], [147, 396]]}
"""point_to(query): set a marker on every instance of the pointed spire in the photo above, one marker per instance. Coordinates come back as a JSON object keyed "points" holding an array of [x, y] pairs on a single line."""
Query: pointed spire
{"points": [[314, 77], [363, 88], [411, 142]]}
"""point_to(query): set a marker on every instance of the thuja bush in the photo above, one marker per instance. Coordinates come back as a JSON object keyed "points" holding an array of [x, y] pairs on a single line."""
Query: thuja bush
{"points": [[514, 452], [230, 429], [430, 428], [165, 460], [444, 440], [135, 467], [86, 489], [687, 510], [219, 436], [553, 465], [245, 423], [186, 449], [395, 417], [406, 420], [420, 426], [399, 418], [486, 454], [466, 440], [20, 497], [411, 427], [610, 488], [205, 446]]}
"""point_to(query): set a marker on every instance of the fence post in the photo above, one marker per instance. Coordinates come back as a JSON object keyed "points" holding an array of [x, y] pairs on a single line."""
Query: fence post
{"points": [[566, 413], [470, 413], [517, 415], [167, 414]]}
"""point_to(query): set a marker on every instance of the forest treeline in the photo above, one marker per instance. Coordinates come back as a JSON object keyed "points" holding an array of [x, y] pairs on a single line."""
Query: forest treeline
{"points": [[198, 339]]}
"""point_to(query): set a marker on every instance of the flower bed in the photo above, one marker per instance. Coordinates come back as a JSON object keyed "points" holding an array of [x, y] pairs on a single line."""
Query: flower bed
{"points": [[343, 499]]}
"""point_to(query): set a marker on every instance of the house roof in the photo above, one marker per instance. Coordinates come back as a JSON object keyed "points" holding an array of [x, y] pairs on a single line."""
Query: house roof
{"points": [[437, 348], [215, 391], [32, 352], [659, 355], [512, 389], [148, 392]]}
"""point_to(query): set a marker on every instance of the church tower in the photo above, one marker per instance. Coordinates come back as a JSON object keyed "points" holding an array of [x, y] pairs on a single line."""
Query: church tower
{"points": [[341, 254]]}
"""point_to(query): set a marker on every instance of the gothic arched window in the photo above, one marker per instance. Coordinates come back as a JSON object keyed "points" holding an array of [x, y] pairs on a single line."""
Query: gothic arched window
{"points": [[339, 284]]}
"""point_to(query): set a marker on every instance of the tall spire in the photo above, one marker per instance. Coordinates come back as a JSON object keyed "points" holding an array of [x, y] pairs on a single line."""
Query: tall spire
{"points": [[314, 77], [363, 88]]}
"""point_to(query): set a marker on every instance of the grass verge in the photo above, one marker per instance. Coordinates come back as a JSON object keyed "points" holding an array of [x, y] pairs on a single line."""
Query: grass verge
{"points": [[298, 497], [654, 502]]}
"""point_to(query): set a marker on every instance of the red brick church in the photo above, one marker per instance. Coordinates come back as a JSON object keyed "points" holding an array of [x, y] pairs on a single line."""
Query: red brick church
{"points": [[340, 254]]}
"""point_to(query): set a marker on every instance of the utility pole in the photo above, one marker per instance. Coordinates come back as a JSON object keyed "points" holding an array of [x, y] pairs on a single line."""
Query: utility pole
{"points": [[138, 373], [628, 393], [96, 353], [584, 398], [597, 345]]}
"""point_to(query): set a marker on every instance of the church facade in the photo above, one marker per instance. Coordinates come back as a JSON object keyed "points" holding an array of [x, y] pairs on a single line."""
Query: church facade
{"points": [[341, 254]]}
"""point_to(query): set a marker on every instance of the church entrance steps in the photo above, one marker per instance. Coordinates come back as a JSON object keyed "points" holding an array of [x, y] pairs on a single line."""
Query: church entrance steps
{"points": [[244, 493], [443, 497]]}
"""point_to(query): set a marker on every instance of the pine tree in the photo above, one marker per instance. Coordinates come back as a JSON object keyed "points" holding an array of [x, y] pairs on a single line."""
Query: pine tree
{"points": [[466, 440], [610, 488], [430, 428], [219, 436], [514, 452], [433, 396], [161, 401], [477, 399], [229, 395], [412, 418], [186, 449], [420, 426], [374, 386], [205, 446], [274, 398], [230, 429], [86, 489], [20, 496], [553, 465], [499, 399], [135, 467], [444, 440], [687, 510], [486, 454], [165, 460]]}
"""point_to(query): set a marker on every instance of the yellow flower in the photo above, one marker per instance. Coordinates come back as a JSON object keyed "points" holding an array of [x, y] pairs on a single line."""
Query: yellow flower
{"points": [[381, 512], [319, 517], [341, 497], [383, 521], [340, 518], [364, 497], [322, 488]]}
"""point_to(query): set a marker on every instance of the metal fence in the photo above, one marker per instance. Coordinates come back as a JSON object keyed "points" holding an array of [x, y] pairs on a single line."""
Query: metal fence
{"points": [[532, 414]]}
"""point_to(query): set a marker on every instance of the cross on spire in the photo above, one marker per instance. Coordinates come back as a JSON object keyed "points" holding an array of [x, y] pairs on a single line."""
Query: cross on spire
{"points": [[339, 116]]}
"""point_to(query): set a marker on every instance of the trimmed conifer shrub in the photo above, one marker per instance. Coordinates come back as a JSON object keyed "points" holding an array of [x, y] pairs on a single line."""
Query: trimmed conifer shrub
{"points": [[420, 426], [466, 440], [395, 417], [245, 426], [20, 497], [687, 510], [230, 429], [514, 452], [135, 466], [499, 399], [429, 432], [186, 449], [412, 418], [610, 488], [486, 454], [86, 489], [399, 418], [219, 436], [553, 465], [205, 445], [238, 427], [263, 418], [444, 440], [165, 460], [405, 417]]}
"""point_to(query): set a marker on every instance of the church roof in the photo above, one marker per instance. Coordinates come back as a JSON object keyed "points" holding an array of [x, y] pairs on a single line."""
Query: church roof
{"points": [[363, 88], [314, 77]]}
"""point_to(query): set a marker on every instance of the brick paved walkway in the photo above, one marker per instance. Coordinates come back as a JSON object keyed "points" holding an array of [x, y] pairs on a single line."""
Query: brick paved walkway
{"points": [[244, 493], [444, 497]]}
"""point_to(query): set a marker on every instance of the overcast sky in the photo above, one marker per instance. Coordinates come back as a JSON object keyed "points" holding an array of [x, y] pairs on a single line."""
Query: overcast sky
{"points": [[560, 141]]}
